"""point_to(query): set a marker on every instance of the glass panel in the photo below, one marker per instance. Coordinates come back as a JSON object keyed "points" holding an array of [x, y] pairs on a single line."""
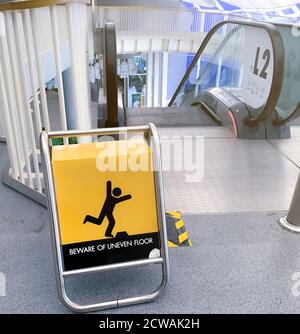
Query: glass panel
{"points": [[133, 70], [219, 65], [234, 58], [289, 96]]}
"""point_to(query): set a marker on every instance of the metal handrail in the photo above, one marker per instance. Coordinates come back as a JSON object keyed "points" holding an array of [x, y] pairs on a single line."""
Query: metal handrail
{"points": [[278, 68], [28, 4]]}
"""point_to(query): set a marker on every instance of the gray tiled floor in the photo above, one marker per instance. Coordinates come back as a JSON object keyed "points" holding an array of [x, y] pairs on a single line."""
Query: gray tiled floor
{"points": [[290, 148], [206, 131], [239, 175], [239, 263]]}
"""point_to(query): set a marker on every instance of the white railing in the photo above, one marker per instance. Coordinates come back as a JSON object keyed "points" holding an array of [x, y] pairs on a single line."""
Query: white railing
{"points": [[143, 29], [160, 20], [2, 134], [37, 45], [146, 20]]}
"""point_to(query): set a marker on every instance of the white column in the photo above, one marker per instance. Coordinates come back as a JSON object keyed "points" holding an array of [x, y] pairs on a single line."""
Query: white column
{"points": [[31, 66], [13, 133], [77, 31], [24, 98], [241, 76], [4, 107], [164, 79], [2, 134], [5, 117], [40, 69], [219, 72], [198, 68], [20, 113], [202, 22], [58, 67], [156, 79], [149, 79]]}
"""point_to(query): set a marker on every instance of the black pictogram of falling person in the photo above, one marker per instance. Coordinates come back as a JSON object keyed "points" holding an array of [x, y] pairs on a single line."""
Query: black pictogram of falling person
{"points": [[112, 198]]}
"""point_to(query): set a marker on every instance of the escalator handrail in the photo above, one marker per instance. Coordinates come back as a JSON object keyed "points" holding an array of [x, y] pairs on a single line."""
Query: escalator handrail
{"points": [[208, 111], [278, 66]]}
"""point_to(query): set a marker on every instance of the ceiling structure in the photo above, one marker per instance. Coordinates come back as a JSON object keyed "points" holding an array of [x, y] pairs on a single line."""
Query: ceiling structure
{"points": [[289, 8]]}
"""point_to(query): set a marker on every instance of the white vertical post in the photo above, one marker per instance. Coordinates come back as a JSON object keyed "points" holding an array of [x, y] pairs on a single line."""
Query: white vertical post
{"points": [[4, 113], [77, 31], [149, 79], [2, 134], [198, 68], [164, 79], [4, 108], [202, 22], [156, 79], [30, 61], [241, 76], [225, 26], [12, 125], [25, 100], [40, 70], [218, 77], [61, 96], [18, 99]]}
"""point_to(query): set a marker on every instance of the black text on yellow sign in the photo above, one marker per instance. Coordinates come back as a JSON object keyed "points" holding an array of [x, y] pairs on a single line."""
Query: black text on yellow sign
{"points": [[105, 217]]}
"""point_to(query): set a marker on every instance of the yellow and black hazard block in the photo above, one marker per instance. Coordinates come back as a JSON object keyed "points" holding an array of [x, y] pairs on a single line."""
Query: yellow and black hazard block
{"points": [[177, 234]]}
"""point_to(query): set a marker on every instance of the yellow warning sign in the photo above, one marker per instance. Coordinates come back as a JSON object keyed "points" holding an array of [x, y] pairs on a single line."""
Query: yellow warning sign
{"points": [[105, 215]]}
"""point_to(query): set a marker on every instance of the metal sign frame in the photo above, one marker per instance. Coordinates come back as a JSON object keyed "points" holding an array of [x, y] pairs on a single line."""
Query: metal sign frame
{"points": [[163, 260]]}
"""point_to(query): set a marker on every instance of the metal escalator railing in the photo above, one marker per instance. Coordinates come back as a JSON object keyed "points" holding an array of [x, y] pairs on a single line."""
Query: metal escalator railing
{"points": [[260, 114]]}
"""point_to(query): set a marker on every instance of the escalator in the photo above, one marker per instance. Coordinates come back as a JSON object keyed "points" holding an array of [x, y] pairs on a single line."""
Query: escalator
{"points": [[239, 79], [262, 116]]}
